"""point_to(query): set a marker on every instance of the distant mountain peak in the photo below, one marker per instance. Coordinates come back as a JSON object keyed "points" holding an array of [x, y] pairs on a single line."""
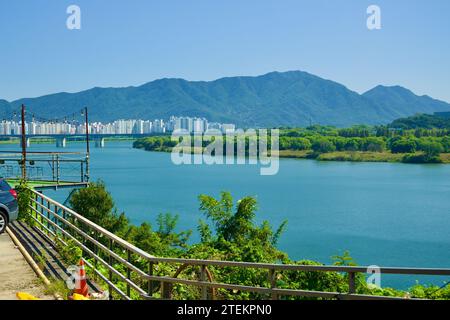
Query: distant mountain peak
{"points": [[394, 88], [278, 98]]}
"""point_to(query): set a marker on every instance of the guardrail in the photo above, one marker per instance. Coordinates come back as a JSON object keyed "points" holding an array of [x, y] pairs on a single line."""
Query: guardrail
{"points": [[116, 262], [50, 167]]}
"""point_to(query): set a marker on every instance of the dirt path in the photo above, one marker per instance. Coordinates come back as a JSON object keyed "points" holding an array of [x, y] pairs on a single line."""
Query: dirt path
{"points": [[15, 273]]}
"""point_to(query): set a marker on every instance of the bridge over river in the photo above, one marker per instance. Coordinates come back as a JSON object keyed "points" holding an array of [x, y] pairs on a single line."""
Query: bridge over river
{"points": [[62, 139]]}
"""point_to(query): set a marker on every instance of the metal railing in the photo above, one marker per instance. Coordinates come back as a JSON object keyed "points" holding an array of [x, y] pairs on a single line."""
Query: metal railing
{"points": [[131, 273], [50, 167]]}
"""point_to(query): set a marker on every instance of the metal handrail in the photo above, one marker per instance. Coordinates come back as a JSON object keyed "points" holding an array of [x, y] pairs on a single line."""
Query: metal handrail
{"points": [[55, 224]]}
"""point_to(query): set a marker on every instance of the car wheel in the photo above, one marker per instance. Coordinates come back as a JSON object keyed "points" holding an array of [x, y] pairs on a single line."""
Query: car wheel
{"points": [[3, 222]]}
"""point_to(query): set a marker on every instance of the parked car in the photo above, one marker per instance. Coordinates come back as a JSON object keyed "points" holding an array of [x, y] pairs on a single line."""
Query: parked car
{"points": [[9, 208]]}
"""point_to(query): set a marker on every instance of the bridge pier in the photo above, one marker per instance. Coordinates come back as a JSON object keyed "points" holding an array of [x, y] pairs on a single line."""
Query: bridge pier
{"points": [[100, 142], [28, 142], [61, 142]]}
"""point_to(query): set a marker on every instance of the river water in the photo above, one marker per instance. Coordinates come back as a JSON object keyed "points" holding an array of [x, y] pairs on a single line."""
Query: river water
{"points": [[385, 214]]}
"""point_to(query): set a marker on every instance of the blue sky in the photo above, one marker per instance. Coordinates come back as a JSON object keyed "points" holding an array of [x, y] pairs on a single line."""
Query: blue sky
{"points": [[125, 43]]}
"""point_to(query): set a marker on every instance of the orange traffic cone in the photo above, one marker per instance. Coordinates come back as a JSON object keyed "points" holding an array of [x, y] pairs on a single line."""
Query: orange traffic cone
{"points": [[81, 286]]}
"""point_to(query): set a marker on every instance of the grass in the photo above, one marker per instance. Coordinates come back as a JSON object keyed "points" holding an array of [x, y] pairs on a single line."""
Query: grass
{"points": [[40, 183], [445, 157], [361, 156], [352, 156], [300, 154], [355, 156], [58, 288]]}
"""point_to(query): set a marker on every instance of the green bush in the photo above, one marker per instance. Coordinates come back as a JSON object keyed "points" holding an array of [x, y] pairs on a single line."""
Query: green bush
{"points": [[24, 200], [323, 145], [404, 146]]}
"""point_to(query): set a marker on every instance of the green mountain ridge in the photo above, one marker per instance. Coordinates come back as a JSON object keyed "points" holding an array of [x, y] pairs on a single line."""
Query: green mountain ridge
{"points": [[292, 98]]}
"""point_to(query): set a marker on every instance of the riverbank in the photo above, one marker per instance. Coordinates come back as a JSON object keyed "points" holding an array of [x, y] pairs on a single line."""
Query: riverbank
{"points": [[348, 156], [357, 156], [326, 144]]}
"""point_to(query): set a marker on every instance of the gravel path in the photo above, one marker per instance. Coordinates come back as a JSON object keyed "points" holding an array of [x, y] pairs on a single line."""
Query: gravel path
{"points": [[15, 273]]}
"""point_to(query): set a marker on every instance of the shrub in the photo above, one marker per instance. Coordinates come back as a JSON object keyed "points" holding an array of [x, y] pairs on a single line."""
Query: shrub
{"points": [[404, 146], [323, 145], [23, 200]]}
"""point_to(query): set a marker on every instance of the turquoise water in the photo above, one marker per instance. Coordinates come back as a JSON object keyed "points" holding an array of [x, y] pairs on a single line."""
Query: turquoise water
{"points": [[384, 214]]}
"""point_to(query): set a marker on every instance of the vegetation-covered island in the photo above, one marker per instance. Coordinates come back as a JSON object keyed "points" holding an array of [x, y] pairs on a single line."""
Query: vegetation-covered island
{"points": [[418, 139]]}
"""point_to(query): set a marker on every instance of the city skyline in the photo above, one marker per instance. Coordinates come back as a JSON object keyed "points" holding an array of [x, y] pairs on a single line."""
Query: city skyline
{"points": [[117, 127]]}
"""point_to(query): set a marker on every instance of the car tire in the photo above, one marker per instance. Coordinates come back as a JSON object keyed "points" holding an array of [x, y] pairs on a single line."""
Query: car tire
{"points": [[3, 221]]}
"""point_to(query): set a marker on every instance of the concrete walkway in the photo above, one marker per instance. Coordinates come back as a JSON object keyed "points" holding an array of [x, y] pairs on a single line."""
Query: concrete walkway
{"points": [[15, 273]]}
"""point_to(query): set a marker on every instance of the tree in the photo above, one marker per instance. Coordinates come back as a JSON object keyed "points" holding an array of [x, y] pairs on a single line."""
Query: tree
{"points": [[352, 144], [323, 145], [431, 148], [403, 145], [96, 204], [446, 143], [373, 144], [234, 228]]}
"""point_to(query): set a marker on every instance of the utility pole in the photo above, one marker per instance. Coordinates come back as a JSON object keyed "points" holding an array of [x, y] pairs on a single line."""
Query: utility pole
{"points": [[87, 143], [24, 146]]}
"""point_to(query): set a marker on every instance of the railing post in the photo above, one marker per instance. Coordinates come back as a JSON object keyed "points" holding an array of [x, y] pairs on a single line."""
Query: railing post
{"points": [[351, 283], [110, 264], [128, 273], [272, 283], [35, 204], [97, 251], [163, 295], [53, 168], [49, 207], [57, 169], [42, 212], [55, 221], [150, 282], [203, 279]]}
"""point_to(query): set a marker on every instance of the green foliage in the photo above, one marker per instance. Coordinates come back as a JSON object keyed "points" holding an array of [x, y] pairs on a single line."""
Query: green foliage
{"points": [[58, 288], [373, 144], [235, 225], [70, 252], [315, 281], [24, 200], [403, 146], [97, 205], [431, 292], [446, 143], [164, 242], [229, 233], [422, 121], [380, 143], [421, 158], [323, 145], [294, 143], [430, 148]]}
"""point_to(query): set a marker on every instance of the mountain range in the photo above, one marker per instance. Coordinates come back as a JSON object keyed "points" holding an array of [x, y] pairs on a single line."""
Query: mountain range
{"points": [[293, 98]]}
